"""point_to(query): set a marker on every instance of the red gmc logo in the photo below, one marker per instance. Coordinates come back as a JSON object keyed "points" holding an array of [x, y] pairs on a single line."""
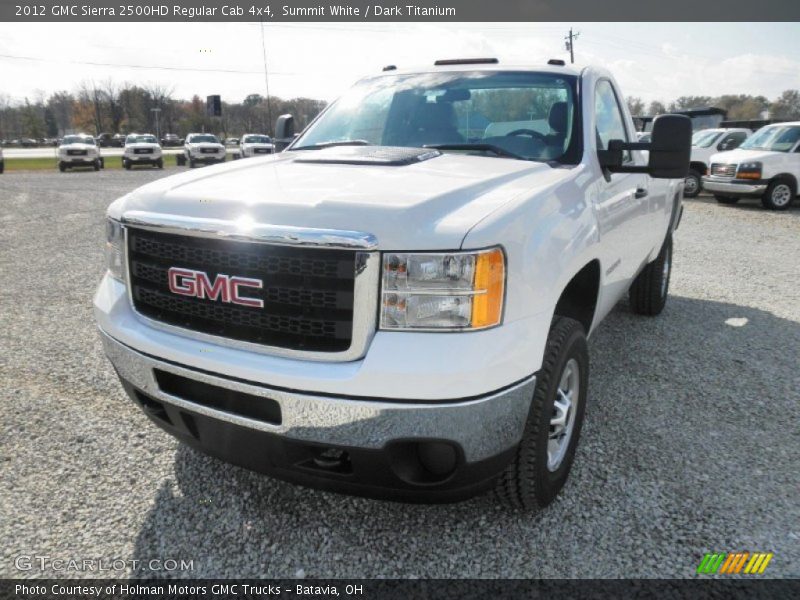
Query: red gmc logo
{"points": [[224, 288]]}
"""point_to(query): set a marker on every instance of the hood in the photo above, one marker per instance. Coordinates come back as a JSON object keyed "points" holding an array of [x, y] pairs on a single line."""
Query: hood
{"points": [[257, 145], [739, 155], [425, 205], [205, 144], [142, 145]]}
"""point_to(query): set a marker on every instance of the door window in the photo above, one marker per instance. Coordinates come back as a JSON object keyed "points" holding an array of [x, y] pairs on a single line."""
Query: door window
{"points": [[732, 140], [608, 116]]}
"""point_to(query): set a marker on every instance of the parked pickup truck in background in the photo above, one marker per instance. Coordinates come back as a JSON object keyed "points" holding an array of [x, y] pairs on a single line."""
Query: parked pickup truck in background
{"points": [[705, 143], [766, 166], [398, 305], [78, 151]]}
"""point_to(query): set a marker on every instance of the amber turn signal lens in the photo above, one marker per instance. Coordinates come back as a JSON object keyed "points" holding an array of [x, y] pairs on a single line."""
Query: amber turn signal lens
{"points": [[748, 175], [490, 280]]}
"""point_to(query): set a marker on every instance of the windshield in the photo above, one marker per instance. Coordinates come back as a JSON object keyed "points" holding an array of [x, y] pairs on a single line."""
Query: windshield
{"points": [[703, 139], [77, 139], [776, 139], [256, 139], [141, 139], [530, 115], [205, 137]]}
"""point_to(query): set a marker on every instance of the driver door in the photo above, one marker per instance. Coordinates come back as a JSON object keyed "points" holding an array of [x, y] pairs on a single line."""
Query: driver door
{"points": [[621, 201]]}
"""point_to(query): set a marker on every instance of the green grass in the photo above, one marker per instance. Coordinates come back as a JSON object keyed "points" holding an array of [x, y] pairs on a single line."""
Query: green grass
{"points": [[51, 164]]}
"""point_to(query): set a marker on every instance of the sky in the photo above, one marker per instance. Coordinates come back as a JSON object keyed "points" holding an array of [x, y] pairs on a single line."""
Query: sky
{"points": [[653, 61]]}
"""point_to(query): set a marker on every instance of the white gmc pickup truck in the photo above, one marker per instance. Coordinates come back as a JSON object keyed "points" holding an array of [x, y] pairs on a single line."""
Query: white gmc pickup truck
{"points": [[398, 304]]}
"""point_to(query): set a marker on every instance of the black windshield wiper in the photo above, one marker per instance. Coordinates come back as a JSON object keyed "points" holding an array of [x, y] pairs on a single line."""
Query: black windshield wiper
{"points": [[480, 147], [322, 145]]}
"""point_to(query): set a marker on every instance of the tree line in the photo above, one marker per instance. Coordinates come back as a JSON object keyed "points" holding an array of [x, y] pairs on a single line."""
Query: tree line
{"points": [[740, 107], [109, 107]]}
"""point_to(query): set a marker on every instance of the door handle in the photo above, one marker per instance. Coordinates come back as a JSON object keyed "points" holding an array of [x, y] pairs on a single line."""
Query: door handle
{"points": [[640, 193]]}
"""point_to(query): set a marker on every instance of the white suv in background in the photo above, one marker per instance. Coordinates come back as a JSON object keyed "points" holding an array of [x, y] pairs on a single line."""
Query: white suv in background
{"points": [[203, 148], [705, 143], [79, 150], [142, 149], [766, 165], [254, 144]]}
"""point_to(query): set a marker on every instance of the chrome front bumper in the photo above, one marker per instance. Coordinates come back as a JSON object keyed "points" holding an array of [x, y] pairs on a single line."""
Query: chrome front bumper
{"points": [[725, 186], [483, 427]]}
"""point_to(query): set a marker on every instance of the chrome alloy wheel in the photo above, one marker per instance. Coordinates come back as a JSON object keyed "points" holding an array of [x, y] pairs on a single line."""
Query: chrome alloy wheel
{"points": [[565, 408], [781, 195]]}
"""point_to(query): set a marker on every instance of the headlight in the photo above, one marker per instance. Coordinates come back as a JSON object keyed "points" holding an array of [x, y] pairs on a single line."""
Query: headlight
{"points": [[115, 249], [443, 291], [749, 170]]}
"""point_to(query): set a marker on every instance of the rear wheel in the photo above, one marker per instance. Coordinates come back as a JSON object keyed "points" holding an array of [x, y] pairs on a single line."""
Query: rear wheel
{"points": [[725, 199], [692, 184], [648, 292], [779, 195], [545, 454]]}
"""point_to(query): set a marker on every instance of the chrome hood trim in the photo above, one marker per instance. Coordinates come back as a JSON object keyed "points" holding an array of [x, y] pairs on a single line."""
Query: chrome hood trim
{"points": [[245, 230]]}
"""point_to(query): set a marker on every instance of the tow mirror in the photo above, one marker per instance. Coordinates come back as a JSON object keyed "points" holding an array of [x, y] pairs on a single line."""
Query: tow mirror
{"points": [[284, 132], [670, 149]]}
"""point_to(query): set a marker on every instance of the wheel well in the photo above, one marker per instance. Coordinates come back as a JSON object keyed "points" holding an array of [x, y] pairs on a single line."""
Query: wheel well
{"points": [[699, 167], [579, 299], [786, 177]]}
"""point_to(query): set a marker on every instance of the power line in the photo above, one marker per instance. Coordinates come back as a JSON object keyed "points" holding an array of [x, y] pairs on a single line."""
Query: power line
{"points": [[146, 67]]}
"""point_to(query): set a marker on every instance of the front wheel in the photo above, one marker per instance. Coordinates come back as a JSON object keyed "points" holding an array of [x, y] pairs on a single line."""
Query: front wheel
{"points": [[725, 199], [160, 163], [779, 195], [192, 163], [126, 164], [692, 184], [648, 292], [545, 454], [62, 167]]}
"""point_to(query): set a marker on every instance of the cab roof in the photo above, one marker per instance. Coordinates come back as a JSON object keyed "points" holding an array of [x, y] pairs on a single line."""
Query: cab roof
{"points": [[457, 65]]}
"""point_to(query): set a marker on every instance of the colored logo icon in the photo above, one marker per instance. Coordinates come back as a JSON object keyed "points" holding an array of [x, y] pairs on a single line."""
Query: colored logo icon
{"points": [[733, 563]]}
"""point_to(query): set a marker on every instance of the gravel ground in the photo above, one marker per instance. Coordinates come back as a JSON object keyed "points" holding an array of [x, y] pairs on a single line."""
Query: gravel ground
{"points": [[691, 442]]}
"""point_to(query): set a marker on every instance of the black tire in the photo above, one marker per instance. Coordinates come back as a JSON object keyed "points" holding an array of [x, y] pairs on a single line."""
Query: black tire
{"points": [[2, 167], [779, 195], [693, 185], [528, 483], [726, 199], [126, 164], [96, 165], [160, 163], [192, 163], [648, 292], [102, 163], [62, 167]]}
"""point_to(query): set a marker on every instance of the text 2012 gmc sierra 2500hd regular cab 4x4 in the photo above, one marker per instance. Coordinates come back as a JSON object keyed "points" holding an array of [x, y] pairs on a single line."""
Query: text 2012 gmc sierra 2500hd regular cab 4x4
{"points": [[397, 305]]}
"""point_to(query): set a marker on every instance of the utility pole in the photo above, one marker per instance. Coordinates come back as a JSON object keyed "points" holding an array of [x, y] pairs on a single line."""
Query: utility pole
{"points": [[570, 44], [158, 129]]}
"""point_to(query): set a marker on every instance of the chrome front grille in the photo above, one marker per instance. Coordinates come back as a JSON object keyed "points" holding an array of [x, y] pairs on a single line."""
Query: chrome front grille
{"points": [[723, 170]]}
